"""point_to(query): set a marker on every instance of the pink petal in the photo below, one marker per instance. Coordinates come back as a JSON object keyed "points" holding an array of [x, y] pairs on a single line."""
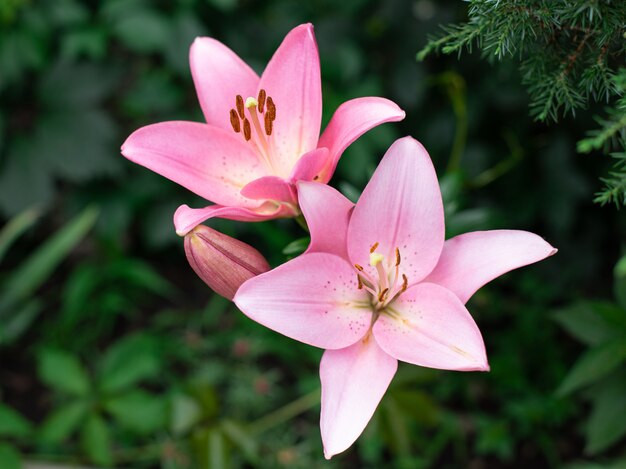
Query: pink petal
{"points": [[354, 380], [186, 218], [429, 326], [292, 79], [471, 260], [272, 188], [312, 298], [351, 120], [327, 213], [219, 75], [400, 208], [204, 159], [311, 165]]}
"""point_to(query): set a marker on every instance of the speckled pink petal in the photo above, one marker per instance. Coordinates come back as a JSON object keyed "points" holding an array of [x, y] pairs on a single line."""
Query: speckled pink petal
{"points": [[219, 75], [313, 299], [351, 120], [400, 208], [429, 326], [272, 188], [204, 159], [292, 79], [470, 260], [310, 166], [354, 380], [327, 213], [186, 218]]}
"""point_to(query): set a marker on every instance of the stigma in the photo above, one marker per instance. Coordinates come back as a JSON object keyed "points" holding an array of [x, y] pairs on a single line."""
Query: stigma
{"points": [[388, 283]]}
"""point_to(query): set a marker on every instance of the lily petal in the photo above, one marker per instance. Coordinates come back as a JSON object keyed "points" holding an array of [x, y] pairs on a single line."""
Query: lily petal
{"points": [[327, 213], [351, 120], [186, 218], [400, 208], [311, 166], [470, 260], [354, 380], [204, 159], [272, 188], [429, 326], [219, 76], [292, 78], [311, 298]]}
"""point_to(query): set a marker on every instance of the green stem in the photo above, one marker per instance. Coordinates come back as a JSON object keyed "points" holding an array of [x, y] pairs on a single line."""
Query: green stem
{"points": [[291, 410], [302, 222], [454, 84]]}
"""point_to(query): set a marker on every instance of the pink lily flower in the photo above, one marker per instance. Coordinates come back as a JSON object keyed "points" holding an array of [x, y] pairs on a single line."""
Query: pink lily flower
{"points": [[378, 284], [262, 134]]}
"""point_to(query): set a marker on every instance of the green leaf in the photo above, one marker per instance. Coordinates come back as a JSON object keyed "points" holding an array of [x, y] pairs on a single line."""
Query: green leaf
{"points": [[96, 441], [211, 448], [9, 457], [241, 438], [138, 411], [63, 372], [62, 422], [129, 361], [297, 247], [16, 325], [619, 285], [593, 365], [585, 322], [38, 267], [13, 424], [607, 423], [143, 30], [16, 227], [185, 413]]}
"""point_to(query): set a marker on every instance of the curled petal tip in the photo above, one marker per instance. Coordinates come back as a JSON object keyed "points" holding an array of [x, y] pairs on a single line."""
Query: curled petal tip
{"points": [[553, 252]]}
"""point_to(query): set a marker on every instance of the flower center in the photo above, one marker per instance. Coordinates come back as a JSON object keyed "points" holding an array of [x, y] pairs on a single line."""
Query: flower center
{"points": [[249, 123], [385, 286]]}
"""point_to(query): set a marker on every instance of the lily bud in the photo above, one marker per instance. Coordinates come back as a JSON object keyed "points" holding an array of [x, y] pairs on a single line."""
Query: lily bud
{"points": [[222, 262]]}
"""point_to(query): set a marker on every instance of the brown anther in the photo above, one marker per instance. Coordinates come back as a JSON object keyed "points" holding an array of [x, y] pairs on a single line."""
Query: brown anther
{"points": [[269, 125], [373, 248], [261, 99], [405, 283], [383, 294], [358, 278], [247, 131], [234, 121], [240, 108], [358, 267], [397, 257], [271, 108]]}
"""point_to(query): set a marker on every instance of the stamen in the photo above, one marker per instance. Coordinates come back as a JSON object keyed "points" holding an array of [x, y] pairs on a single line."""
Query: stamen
{"points": [[271, 108], [397, 257], [374, 246], [234, 121], [358, 278], [405, 283], [268, 125], [383, 295], [247, 131], [240, 108], [261, 99], [358, 267]]}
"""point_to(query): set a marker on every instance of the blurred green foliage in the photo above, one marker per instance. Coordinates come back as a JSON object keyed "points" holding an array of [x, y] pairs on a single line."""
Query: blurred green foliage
{"points": [[112, 352]]}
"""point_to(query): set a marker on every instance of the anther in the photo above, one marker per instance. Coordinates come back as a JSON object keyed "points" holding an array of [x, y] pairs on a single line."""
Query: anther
{"points": [[358, 278], [405, 283], [397, 257], [383, 295], [240, 108], [358, 267], [269, 125], [271, 108], [247, 131], [234, 121], [373, 248], [261, 99]]}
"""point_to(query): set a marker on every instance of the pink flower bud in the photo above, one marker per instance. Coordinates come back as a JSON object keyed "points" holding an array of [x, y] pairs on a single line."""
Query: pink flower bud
{"points": [[222, 262]]}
